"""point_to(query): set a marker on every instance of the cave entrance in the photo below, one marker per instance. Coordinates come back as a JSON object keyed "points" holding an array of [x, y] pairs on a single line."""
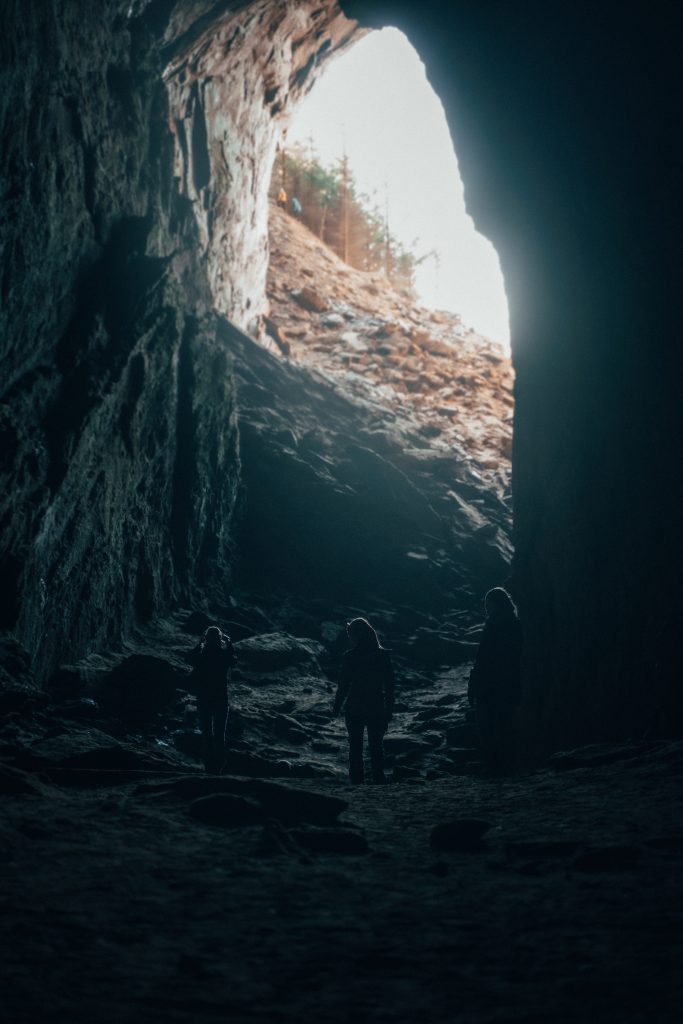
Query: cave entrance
{"points": [[377, 275], [407, 331], [370, 149]]}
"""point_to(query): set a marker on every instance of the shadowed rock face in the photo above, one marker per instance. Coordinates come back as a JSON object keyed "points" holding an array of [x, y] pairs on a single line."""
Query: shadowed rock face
{"points": [[232, 79], [566, 152], [119, 446], [101, 326], [136, 139]]}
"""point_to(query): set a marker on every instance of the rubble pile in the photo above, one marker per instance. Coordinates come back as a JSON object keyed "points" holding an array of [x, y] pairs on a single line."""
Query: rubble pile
{"points": [[450, 384]]}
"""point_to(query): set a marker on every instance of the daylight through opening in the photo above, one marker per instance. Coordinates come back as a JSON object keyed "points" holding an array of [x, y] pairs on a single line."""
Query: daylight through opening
{"points": [[377, 276], [374, 128]]}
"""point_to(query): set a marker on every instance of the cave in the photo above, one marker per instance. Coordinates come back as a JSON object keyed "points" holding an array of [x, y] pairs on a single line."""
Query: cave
{"points": [[162, 468]]}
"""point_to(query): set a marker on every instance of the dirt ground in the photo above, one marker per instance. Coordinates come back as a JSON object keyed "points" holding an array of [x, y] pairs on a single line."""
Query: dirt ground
{"points": [[117, 904]]}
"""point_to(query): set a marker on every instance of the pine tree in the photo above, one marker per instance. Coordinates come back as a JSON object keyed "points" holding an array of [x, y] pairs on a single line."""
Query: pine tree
{"points": [[348, 222]]}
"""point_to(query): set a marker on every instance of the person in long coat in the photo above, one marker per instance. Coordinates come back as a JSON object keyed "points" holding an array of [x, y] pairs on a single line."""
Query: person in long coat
{"points": [[213, 659], [495, 684], [366, 696]]}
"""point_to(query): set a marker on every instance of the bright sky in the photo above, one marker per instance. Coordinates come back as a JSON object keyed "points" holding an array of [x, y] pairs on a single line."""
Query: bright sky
{"points": [[376, 101]]}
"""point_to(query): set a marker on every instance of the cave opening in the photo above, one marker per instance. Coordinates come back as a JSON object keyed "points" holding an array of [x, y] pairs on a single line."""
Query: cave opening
{"points": [[429, 390], [371, 153], [377, 275]]}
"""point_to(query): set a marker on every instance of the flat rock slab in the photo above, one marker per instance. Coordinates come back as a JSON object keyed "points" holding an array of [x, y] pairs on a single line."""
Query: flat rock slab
{"points": [[269, 652], [286, 803]]}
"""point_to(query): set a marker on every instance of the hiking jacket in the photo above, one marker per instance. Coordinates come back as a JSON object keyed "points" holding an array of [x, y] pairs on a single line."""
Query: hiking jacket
{"points": [[495, 679], [366, 683], [211, 670]]}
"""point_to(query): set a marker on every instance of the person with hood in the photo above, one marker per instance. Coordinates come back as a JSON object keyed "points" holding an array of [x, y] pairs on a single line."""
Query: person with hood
{"points": [[366, 695], [495, 683], [213, 659]]}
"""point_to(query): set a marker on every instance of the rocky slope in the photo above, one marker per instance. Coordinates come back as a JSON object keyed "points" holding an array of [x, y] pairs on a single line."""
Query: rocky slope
{"points": [[346, 500], [439, 377]]}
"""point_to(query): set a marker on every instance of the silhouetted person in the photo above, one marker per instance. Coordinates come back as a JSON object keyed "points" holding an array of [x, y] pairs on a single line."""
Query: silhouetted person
{"points": [[295, 206], [366, 695], [494, 686], [282, 199], [213, 658]]}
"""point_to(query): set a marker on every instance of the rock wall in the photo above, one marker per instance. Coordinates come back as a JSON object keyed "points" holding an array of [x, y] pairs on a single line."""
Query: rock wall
{"points": [[561, 120], [116, 414], [136, 140], [231, 87]]}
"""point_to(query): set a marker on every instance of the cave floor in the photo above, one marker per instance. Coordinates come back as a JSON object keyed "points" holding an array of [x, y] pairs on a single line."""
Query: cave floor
{"points": [[117, 904]]}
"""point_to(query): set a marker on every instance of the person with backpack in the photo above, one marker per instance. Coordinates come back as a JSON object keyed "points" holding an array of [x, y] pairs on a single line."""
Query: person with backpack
{"points": [[495, 680], [366, 695], [213, 658]]}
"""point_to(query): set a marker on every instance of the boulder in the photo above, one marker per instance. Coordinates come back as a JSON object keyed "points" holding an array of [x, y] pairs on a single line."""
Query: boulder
{"points": [[333, 320], [351, 340], [293, 805], [310, 300], [288, 804], [139, 687], [269, 652]]}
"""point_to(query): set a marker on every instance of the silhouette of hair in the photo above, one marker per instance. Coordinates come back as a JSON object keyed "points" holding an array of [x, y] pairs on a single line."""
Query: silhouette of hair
{"points": [[213, 638], [498, 600], [362, 632]]}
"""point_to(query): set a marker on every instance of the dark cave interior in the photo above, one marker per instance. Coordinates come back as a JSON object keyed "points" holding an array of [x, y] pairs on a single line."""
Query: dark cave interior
{"points": [[155, 461]]}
